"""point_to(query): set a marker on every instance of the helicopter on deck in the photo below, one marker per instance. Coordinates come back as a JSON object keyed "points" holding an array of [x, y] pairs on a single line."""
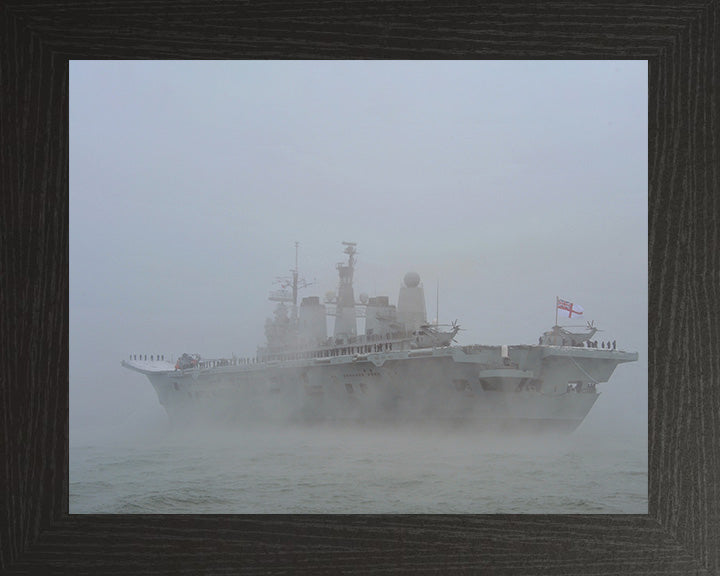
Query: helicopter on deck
{"points": [[430, 335], [561, 336]]}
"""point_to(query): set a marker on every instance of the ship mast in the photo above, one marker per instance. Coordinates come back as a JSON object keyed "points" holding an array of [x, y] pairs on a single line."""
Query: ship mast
{"points": [[295, 284], [345, 323]]}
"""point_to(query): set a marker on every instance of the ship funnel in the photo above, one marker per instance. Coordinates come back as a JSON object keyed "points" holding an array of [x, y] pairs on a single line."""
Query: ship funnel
{"points": [[380, 318], [311, 322]]}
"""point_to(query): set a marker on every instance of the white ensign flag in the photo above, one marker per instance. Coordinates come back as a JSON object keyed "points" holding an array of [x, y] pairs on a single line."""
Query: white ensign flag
{"points": [[568, 309]]}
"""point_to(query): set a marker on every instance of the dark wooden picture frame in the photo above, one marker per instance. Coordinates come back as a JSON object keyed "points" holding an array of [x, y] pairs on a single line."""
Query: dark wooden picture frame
{"points": [[681, 533]]}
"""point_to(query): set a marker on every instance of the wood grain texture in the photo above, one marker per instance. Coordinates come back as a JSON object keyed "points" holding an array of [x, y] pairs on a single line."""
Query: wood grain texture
{"points": [[680, 535]]}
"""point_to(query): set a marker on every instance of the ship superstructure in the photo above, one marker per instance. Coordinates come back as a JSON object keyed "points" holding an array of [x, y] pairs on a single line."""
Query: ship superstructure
{"points": [[400, 368]]}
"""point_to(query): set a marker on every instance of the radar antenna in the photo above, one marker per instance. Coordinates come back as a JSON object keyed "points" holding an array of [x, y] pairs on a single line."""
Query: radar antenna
{"points": [[289, 286]]}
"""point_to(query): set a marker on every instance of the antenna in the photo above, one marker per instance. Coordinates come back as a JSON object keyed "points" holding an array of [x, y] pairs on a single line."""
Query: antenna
{"points": [[295, 282], [286, 284]]}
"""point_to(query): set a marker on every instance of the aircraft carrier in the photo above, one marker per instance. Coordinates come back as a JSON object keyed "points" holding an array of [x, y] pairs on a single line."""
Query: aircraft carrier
{"points": [[402, 368]]}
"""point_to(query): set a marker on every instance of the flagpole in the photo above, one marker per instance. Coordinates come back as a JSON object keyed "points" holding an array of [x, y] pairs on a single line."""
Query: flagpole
{"points": [[556, 307], [555, 329]]}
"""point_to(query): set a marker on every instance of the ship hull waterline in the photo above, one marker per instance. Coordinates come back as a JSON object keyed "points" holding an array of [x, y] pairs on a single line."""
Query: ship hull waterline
{"points": [[523, 389]]}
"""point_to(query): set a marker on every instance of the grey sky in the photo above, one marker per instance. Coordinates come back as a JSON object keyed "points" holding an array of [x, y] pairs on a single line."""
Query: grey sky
{"points": [[509, 182]]}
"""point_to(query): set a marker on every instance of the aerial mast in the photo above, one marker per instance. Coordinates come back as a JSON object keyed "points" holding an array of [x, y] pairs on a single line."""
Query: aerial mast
{"points": [[295, 283], [345, 323]]}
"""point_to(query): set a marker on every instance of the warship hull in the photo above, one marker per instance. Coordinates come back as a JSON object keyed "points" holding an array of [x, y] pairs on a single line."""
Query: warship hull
{"points": [[400, 369], [512, 388]]}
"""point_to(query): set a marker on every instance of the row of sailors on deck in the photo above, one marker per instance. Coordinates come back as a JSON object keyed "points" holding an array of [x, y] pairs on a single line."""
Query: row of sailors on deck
{"points": [[588, 343], [144, 357], [383, 346], [606, 345], [204, 364]]}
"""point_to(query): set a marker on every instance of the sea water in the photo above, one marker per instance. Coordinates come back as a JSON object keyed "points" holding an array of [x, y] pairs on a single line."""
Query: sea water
{"points": [[354, 468]]}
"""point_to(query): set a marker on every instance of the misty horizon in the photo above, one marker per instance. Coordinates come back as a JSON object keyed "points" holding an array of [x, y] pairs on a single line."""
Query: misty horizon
{"points": [[506, 184]]}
